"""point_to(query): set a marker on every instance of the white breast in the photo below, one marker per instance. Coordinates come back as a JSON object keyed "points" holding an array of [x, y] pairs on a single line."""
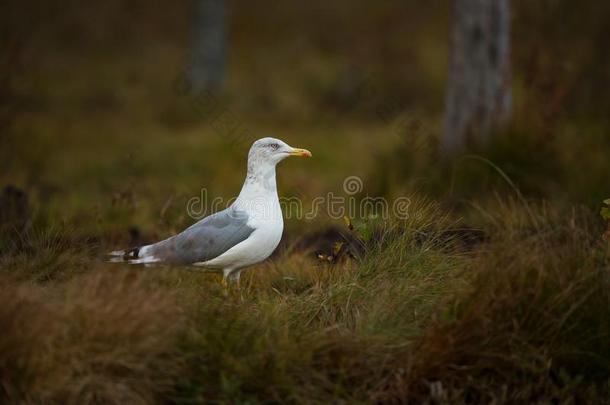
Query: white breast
{"points": [[265, 217]]}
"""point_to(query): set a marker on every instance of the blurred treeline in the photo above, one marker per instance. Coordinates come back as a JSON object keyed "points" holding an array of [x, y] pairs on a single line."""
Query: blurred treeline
{"points": [[318, 46], [336, 68]]}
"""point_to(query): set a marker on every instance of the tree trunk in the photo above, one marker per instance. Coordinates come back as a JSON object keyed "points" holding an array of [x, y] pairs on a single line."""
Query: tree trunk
{"points": [[208, 63], [478, 92]]}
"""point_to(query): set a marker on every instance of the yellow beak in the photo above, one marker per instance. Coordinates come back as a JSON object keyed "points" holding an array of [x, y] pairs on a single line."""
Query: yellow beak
{"points": [[300, 152]]}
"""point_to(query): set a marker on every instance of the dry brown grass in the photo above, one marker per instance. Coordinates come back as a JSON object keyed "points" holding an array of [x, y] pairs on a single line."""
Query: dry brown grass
{"points": [[535, 324], [106, 337], [524, 317]]}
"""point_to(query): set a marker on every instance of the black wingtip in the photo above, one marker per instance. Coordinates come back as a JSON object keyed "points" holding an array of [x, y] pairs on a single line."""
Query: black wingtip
{"points": [[131, 254]]}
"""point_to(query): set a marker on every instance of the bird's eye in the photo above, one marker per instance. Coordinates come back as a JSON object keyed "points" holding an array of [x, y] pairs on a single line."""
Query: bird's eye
{"points": [[274, 146]]}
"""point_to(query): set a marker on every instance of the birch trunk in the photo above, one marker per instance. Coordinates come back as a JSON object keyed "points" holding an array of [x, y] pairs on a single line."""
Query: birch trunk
{"points": [[208, 63], [478, 92]]}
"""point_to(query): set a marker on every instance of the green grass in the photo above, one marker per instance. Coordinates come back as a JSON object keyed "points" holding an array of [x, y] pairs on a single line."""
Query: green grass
{"points": [[524, 317]]}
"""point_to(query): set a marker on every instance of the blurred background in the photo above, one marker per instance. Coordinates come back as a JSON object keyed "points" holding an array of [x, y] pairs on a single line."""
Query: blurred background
{"points": [[115, 114], [492, 117]]}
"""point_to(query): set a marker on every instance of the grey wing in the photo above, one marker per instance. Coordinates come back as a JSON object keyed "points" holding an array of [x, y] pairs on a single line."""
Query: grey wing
{"points": [[205, 240]]}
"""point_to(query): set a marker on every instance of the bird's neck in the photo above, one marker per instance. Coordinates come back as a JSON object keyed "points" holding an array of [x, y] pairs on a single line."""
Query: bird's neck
{"points": [[260, 182]]}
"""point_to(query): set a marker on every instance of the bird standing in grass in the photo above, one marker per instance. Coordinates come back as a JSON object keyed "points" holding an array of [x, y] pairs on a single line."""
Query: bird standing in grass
{"points": [[244, 234]]}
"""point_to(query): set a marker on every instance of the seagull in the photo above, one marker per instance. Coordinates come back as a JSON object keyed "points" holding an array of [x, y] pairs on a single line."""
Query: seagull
{"points": [[244, 234]]}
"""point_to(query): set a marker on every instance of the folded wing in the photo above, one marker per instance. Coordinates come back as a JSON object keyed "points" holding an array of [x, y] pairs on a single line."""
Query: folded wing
{"points": [[203, 241]]}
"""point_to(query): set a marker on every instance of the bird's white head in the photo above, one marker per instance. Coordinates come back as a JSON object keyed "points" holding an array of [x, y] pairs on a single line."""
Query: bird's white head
{"points": [[271, 151], [264, 155]]}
